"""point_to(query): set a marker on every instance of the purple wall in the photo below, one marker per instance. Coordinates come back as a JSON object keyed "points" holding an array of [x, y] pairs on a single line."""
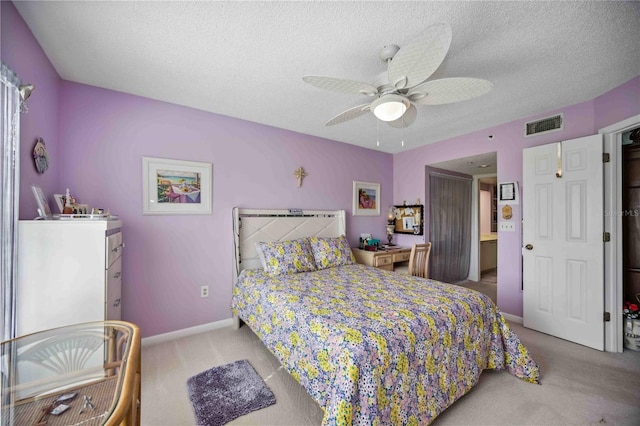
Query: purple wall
{"points": [[104, 135], [22, 53], [508, 141], [168, 258], [96, 139]]}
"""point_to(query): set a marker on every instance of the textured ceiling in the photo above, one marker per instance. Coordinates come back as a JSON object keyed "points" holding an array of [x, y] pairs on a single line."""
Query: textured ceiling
{"points": [[247, 59], [481, 164]]}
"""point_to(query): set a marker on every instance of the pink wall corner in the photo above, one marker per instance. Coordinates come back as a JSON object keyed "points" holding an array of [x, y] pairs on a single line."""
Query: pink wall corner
{"points": [[22, 53], [508, 142], [168, 258]]}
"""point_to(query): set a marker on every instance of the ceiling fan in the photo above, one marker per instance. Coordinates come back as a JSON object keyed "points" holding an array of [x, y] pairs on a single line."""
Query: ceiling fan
{"points": [[405, 84]]}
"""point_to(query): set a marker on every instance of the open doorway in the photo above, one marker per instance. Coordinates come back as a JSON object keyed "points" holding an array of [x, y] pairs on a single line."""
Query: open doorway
{"points": [[482, 169], [488, 222]]}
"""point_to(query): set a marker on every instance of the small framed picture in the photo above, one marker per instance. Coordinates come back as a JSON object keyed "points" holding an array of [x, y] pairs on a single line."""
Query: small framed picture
{"points": [[43, 206], [80, 209], [507, 191], [59, 201], [366, 199]]}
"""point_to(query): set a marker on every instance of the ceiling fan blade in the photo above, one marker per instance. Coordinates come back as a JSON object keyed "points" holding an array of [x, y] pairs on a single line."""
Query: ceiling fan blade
{"points": [[407, 118], [349, 114], [416, 61], [341, 85], [449, 90]]}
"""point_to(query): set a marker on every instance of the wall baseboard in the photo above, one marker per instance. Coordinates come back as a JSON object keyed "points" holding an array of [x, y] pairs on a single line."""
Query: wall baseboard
{"points": [[512, 318], [172, 335]]}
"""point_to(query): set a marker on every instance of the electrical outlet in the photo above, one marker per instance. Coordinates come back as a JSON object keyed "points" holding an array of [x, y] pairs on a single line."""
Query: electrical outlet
{"points": [[507, 226], [204, 291]]}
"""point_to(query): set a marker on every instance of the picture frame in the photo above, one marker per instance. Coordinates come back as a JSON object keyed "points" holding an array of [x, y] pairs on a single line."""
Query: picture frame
{"points": [[366, 199], [508, 193], [80, 209], [61, 200], [174, 187], [43, 206], [409, 219]]}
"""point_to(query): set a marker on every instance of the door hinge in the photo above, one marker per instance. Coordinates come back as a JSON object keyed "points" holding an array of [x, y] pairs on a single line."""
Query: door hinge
{"points": [[606, 157], [606, 237], [606, 317]]}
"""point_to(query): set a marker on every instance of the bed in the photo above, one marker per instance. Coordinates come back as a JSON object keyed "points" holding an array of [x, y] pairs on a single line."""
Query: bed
{"points": [[370, 346]]}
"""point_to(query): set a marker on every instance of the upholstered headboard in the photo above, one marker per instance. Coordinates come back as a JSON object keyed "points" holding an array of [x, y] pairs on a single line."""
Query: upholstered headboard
{"points": [[253, 225]]}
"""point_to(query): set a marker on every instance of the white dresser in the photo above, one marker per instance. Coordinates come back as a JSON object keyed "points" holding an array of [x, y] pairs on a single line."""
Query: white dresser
{"points": [[69, 271]]}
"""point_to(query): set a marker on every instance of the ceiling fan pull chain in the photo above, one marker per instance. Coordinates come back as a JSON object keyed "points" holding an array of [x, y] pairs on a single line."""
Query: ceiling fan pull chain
{"points": [[377, 132]]}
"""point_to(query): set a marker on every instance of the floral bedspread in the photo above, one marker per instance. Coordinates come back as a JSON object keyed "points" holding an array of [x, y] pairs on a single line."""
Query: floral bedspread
{"points": [[375, 347]]}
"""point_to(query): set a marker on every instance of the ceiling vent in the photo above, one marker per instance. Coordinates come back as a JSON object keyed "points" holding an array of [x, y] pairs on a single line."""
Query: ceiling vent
{"points": [[545, 125]]}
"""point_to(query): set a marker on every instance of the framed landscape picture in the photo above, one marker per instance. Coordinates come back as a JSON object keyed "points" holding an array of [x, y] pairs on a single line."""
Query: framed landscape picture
{"points": [[176, 187]]}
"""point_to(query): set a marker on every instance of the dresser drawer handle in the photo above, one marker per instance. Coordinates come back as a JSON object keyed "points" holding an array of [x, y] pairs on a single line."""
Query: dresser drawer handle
{"points": [[117, 274], [118, 249], [116, 303]]}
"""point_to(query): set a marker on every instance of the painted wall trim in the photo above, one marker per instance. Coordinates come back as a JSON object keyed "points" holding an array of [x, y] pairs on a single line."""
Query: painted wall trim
{"points": [[512, 318], [173, 335]]}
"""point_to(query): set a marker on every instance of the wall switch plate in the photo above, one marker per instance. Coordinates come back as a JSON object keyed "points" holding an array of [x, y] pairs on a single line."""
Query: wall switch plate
{"points": [[204, 291], [507, 226]]}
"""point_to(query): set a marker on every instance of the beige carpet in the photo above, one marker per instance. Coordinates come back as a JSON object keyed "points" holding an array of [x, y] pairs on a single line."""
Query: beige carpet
{"points": [[488, 284], [580, 386]]}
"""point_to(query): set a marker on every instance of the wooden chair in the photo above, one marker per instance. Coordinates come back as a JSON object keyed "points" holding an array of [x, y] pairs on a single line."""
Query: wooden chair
{"points": [[419, 260]]}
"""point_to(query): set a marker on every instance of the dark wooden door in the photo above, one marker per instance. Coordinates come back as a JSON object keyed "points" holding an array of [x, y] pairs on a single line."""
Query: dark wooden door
{"points": [[631, 221]]}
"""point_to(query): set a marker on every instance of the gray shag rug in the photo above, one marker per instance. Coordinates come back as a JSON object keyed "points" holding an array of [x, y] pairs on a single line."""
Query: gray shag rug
{"points": [[227, 392]]}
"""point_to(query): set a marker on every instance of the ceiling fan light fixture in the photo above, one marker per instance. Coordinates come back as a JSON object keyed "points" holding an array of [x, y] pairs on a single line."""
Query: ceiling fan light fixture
{"points": [[389, 107]]}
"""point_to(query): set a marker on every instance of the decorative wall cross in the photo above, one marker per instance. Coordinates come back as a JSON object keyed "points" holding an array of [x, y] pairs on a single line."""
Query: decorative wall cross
{"points": [[299, 174]]}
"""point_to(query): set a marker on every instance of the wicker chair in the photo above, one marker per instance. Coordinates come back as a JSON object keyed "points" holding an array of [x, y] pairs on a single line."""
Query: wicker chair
{"points": [[64, 354]]}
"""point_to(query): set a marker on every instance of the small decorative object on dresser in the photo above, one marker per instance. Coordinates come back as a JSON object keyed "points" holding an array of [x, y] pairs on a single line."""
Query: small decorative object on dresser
{"points": [[43, 206], [64, 200]]}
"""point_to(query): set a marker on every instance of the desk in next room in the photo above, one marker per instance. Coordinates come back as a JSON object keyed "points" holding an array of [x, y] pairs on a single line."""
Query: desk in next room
{"points": [[383, 259]]}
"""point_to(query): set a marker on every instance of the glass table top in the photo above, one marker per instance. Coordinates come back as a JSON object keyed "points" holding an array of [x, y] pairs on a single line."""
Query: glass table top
{"points": [[68, 375]]}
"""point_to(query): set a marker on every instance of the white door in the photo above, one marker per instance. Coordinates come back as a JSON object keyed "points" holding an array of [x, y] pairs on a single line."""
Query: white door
{"points": [[563, 253]]}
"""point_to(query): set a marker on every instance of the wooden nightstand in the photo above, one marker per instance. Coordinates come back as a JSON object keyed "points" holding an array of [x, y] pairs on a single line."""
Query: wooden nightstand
{"points": [[383, 259]]}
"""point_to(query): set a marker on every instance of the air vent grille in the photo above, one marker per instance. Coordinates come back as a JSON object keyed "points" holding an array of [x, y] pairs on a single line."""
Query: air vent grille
{"points": [[545, 125]]}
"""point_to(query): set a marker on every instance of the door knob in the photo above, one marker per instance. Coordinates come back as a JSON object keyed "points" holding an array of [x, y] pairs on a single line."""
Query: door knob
{"points": [[529, 247]]}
